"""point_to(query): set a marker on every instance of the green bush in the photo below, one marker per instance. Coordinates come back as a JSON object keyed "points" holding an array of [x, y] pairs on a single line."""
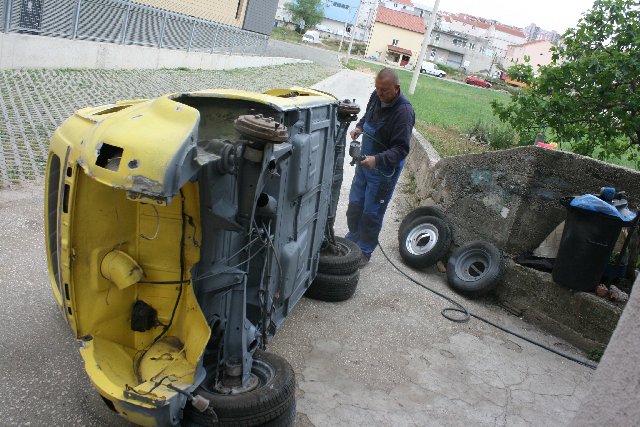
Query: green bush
{"points": [[497, 136]]}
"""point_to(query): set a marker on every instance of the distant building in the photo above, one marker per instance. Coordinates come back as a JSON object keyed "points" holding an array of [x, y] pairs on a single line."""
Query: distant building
{"points": [[538, 52], [395, 37], [251, 15], [459, 50], [340, 18], [499, 36], [533, 33], [405, 6], [339, 15]]}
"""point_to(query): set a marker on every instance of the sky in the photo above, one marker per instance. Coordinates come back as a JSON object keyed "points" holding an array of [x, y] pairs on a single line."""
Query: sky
{"points": [[548, 14]]}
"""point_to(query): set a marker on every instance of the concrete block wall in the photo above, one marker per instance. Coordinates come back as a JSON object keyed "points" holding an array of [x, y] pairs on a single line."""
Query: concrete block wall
{"points": [[614, 398], [31, 51], [511, 197]]}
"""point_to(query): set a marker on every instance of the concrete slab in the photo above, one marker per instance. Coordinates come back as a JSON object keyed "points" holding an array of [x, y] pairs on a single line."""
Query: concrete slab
{"points": [[385, 357]]}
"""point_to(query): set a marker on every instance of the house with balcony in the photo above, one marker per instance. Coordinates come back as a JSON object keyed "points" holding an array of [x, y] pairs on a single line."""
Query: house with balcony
{"points": [[395, 37], [459, 50], [499, 36]]}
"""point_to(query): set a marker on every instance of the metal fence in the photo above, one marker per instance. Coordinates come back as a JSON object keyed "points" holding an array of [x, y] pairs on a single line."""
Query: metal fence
{"points": [[125, 22]]}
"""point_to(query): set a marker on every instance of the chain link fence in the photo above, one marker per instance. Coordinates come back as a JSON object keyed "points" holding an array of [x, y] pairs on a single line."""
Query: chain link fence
{"points": [[125, 22]]}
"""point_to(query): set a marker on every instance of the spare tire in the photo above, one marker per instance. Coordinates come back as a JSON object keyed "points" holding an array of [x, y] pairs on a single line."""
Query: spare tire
{"points": [[333, 288], [475, 269], [418, 212], [346, 261], [424, 241]]}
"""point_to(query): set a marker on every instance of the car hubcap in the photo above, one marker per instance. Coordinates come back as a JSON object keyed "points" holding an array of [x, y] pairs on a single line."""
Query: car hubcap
{"points": [[473, 265], [421, 239]]}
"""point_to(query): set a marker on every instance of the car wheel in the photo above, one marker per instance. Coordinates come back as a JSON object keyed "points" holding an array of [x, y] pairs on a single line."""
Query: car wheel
{"points": [[333, 288], [346, 261], [424, 241], [418, 212], [422, 71], [271, 403], [475, 269]]}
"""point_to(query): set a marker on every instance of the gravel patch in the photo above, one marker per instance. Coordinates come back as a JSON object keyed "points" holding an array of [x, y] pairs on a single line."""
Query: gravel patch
{"points": [[33, 103]]}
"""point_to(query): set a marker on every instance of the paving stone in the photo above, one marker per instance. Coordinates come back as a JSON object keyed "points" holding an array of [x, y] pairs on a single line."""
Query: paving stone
{"points": [[33, 103]]}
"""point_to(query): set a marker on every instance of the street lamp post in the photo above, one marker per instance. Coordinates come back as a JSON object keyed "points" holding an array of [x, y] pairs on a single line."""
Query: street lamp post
{"points": [[423, 50], [353, 32]]}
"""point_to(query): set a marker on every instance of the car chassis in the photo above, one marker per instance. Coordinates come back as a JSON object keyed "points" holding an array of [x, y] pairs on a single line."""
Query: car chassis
{"points": [[181, 231]]}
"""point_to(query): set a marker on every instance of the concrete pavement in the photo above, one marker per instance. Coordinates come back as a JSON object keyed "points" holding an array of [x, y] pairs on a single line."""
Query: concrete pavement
{"points": [[385, 357]]}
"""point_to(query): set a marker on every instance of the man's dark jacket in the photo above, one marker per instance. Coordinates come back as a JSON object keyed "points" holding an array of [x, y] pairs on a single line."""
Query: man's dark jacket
{"points": [[394, 136]]}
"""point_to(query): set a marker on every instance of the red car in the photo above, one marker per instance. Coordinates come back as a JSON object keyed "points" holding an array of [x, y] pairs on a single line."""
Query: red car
{"points": [[477, 81]]}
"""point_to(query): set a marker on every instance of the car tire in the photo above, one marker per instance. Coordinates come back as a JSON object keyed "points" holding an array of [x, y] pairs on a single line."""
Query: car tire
{"points": [[345, 262], [272, 403], [475, 269], [424, 241], [418, 212], [333, 288]]}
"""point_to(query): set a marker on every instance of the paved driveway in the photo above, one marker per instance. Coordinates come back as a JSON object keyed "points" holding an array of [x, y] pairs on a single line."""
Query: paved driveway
{"points": [[301, 51]]}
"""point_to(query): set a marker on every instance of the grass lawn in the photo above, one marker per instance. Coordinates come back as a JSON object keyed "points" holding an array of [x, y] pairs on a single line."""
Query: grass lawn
{"points": [[445, 110]]}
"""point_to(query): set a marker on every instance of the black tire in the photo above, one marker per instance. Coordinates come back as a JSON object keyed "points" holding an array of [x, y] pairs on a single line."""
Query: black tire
{"points": [[418, 212], [424, 241], [346, 262], [271, 403], [475, 269], [333, 288], [287, 419]]}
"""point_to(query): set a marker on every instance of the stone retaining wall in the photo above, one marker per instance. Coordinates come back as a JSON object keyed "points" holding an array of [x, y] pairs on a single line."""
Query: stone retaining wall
{"points": [[511, 198]]}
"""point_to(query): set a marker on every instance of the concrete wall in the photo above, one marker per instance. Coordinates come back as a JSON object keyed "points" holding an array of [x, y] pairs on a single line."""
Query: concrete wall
{"points": [[28, 51], [511, 197], [614, 399]]}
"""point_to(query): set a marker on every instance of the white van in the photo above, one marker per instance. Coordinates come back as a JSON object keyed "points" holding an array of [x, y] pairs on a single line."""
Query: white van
{"points": [[432, 69], [311, 37]]}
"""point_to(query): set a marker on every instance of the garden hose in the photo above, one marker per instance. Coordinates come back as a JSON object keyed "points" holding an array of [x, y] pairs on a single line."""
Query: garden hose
{"points": [[467, 315]]}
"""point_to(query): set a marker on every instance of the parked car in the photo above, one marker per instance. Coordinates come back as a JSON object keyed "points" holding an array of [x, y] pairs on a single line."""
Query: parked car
{"points": [[181, 231], [477, 81], [432, 69], [311, 37]]}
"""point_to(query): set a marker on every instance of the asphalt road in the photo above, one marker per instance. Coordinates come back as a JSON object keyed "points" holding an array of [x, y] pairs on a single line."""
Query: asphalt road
{"points": [[292, 50]]}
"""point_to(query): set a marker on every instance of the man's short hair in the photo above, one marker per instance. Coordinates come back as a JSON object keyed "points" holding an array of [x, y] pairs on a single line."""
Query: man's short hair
{"points": [[388, 73]]}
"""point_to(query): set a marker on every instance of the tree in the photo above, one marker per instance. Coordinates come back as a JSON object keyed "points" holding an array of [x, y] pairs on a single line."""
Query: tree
{"points": [[521, 72], [308, 11], [589, 95]]}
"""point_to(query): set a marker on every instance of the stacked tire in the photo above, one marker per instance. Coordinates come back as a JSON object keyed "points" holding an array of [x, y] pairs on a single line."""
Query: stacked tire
{"points": [[338, 272], [424, 237]]}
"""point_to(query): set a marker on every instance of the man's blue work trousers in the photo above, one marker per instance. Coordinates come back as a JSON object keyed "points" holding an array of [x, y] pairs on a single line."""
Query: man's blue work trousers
{"points": [[371, 191]]}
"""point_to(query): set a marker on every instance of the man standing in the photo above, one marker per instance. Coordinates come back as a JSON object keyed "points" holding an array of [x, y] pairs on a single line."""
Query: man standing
{"points": [[386, 132]]}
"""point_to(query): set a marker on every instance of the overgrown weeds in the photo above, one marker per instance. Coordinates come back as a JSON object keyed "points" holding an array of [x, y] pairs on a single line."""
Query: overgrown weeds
{"points": [[497, 136]]}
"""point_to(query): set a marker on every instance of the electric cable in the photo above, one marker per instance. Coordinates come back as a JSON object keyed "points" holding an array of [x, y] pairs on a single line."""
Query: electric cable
{"points": [[165, 329], [467, 315]]}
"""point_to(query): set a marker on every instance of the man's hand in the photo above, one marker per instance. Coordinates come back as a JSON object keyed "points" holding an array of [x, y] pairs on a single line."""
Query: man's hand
{"points": [[369, 162], [355, 133]]}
